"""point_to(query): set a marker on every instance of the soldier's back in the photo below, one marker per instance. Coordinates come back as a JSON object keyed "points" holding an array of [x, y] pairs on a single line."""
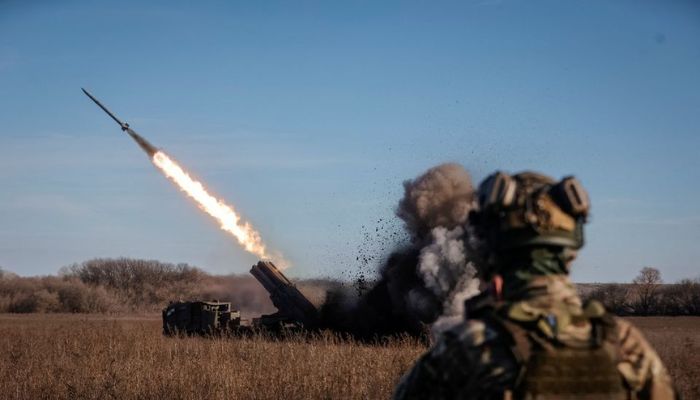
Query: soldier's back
{"points": [[517, 351]]}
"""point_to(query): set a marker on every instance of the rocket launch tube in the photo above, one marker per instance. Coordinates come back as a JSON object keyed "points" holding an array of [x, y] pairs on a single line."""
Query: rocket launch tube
{"points": [[284, 295]]}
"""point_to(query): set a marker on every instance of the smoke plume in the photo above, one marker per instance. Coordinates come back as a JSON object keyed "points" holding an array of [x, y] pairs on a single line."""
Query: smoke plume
{"points": [[441, 197], [448, 273], [426, 280]]}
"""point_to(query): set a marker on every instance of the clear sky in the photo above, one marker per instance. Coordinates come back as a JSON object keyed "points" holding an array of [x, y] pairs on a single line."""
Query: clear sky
{"points": [[307, 116]]}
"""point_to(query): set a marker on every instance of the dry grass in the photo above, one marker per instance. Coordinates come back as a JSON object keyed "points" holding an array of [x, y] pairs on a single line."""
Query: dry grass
{"points": [[68, 356], [52, 356]]}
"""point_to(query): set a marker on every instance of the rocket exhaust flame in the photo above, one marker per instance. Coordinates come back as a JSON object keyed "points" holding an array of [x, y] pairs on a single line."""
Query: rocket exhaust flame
{"points": [[224, 214]]}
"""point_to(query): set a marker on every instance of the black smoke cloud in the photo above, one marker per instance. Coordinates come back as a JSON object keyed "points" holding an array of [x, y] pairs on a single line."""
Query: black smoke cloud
{"points": [[426, 280]]}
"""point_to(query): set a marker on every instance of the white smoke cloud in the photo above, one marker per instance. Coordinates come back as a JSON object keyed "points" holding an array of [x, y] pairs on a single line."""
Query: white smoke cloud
{"points": [[446, 271], [427, 280]]}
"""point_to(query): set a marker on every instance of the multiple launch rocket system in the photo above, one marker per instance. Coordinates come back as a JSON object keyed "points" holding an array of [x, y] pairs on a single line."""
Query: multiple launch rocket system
{"points": [[295, 311], [201, 317]]}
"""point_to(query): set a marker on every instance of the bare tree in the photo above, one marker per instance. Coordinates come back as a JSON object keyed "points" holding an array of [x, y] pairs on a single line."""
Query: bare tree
{"points": [[614, 297], [684, 297], [647, 285]]}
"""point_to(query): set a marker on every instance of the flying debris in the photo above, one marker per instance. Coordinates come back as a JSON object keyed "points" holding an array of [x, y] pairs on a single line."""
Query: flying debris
{"points": [[143, 143]]}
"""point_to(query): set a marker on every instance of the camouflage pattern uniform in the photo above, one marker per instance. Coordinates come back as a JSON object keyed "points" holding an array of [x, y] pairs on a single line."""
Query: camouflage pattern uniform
{"points": [[480, 359], [530, 337]]}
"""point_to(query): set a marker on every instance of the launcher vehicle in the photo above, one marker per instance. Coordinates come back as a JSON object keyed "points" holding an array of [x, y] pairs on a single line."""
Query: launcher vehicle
{"points": [[199, 317], [294, 310]]}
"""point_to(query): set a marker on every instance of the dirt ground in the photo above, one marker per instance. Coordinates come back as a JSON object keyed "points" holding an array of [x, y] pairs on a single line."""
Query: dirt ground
{"points": [[90, 357], [677, 340]]}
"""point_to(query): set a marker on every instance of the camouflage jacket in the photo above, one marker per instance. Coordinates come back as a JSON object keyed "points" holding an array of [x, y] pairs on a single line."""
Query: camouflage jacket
{"points": [[481, 359]]}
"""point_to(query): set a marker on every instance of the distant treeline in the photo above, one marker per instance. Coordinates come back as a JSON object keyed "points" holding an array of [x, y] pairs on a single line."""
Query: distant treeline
{"points": [[681, 298], [144, 286], [647, 295], [126, 286]]}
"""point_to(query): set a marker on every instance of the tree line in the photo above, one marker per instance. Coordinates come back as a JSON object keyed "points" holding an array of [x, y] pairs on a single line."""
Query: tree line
{"points": [[126, 285], [647, 295]]}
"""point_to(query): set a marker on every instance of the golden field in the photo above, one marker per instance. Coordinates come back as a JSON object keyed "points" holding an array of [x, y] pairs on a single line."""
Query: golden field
{"points": [[97, 357]]}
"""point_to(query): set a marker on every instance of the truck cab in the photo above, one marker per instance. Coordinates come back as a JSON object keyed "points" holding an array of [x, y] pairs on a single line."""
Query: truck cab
{"points": [[199, 318]]}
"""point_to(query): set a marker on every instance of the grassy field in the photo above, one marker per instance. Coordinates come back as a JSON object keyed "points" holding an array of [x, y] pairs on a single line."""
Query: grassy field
{"points": [[72, 356]]}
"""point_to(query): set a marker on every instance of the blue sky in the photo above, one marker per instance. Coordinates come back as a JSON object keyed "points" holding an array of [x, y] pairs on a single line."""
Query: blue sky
{"points": [[307, 116]]}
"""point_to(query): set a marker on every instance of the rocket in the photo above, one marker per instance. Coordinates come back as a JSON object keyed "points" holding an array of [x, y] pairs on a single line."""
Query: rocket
{"points": [[143, 143]]}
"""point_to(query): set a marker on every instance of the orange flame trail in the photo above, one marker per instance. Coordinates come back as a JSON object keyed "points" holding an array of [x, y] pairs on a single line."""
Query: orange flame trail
{"points": [[223, 213]]}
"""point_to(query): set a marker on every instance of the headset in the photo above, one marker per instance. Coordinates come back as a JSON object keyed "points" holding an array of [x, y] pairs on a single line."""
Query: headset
{"points": [[498, 193]]}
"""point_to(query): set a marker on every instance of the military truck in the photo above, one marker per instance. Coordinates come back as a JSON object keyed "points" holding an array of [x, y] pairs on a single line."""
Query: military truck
{"points": [[199, 318], [294, 310]]}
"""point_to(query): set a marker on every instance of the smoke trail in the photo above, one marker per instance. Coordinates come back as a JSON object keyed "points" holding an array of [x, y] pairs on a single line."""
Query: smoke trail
{"points": [[227, 217], [224, 214]]}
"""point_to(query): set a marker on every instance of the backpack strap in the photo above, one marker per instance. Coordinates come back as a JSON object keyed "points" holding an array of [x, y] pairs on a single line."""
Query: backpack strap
{"points": [[487, 308], [603, 327], [517, 338]]}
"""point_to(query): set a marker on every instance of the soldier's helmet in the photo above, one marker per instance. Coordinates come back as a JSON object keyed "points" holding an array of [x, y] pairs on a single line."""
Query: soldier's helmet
{"points": [[528, 209]]}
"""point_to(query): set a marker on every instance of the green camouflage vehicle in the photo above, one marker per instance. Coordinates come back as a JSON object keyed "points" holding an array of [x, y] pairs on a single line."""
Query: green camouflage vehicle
{"points": [[199, 318], [295, 311]]}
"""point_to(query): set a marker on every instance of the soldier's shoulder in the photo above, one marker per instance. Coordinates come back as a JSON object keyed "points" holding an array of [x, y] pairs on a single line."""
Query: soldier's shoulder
{"points": [[469, 349], [629, 336], [639, 364], [474, 332], [480, 326]]}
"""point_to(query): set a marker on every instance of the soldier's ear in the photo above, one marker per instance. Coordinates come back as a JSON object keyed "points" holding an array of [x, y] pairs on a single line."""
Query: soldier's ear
{"points": [[568, 255]]}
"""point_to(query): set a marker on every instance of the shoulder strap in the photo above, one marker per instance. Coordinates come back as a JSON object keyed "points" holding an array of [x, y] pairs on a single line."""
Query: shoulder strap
{"points": [[521, 346], [602, 323], [484, 307], [518, 338]]}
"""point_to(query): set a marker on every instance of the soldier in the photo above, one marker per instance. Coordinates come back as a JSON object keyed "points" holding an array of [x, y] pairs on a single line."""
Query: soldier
{"points": [[529, 336]]}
